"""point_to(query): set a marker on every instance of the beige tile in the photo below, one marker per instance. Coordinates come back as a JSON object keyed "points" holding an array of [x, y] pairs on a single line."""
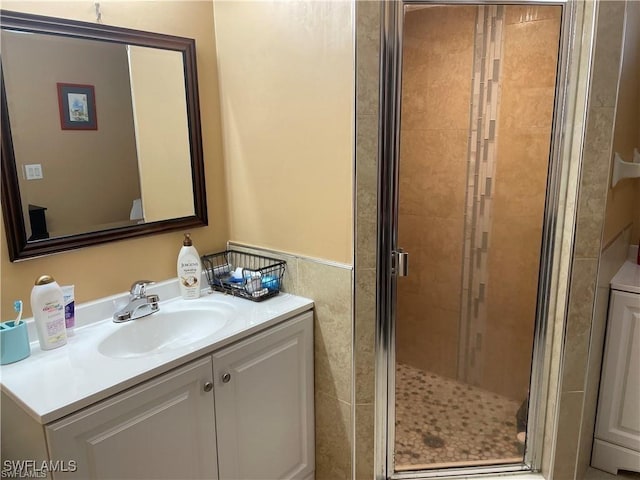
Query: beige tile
{"points": [[531, 51], [437, 330], [428, 27], [435, 256], [598, 138], [567, 436], [437, 72], [516, 193], [433, 172], [514, 257], [575, 355], [365, 325], [589, 229], [596, 348], [366, 228], [367, 152], [330, 288], [333, 434], [506, 370], [365, 441], [578, 329], [427, 67], [607, 55], [530, 13], [367, 56], [594, 182], [448, 110], [366, 191], [524, 108]]}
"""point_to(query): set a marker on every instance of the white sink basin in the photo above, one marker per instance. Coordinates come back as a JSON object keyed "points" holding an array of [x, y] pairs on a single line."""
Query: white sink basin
{"points": [[165, 330]]}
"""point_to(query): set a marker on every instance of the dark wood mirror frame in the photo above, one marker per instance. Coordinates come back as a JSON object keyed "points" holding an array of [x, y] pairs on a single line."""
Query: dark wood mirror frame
{"points": [[19, 247]]}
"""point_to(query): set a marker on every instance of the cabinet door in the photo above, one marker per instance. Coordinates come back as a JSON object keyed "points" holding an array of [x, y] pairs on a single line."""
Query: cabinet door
{"points": [[162, 429], [619, 404], [264, 404]]}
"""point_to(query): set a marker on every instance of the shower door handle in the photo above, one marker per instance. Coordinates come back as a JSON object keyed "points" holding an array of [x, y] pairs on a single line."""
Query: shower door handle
{"points": [[400, 263]]}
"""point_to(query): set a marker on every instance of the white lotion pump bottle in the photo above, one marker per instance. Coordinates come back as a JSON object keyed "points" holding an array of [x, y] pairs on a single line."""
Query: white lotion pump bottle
{"points": [[47, 304], [189, 269]]}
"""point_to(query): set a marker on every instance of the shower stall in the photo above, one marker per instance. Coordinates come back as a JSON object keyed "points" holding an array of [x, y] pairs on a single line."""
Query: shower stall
{"points": [[475, 93]]}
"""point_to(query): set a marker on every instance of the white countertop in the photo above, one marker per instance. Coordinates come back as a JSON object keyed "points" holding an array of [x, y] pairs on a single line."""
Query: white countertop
{"points": [[628, 277], [51, 384]]}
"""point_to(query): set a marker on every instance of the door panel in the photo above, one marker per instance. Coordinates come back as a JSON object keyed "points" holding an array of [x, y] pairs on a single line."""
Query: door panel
{"points": [[475, 113], [265, 387]]}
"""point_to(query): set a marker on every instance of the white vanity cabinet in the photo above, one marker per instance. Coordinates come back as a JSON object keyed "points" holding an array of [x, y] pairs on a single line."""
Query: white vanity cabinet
{"points": [[264, 404], [617, 438], [243, 410], [163, 429]]}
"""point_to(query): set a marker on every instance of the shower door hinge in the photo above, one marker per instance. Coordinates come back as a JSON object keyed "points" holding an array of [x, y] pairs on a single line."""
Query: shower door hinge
{"points": [[399, 263]]}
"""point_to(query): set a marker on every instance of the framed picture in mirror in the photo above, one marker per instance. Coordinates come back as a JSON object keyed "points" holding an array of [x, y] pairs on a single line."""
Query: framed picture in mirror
{"points": [[77, 104]]}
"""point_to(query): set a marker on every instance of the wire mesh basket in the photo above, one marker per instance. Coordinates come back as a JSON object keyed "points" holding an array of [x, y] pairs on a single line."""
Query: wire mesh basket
{"points": [[244, 274]]}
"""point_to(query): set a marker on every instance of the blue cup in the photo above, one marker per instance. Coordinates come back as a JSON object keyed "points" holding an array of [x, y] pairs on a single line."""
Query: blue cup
{"points": [[14, 342]]}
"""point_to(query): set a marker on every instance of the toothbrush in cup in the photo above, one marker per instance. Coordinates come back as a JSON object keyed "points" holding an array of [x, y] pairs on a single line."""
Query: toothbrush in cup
{"points": [[17, 306]]}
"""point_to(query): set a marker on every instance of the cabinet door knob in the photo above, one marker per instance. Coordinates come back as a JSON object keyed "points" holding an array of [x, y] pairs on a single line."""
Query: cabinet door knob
{"points": [[226, 377], [208, 386]]}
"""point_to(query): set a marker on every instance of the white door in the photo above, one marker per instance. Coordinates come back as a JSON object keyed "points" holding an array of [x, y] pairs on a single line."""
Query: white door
{"points": [[264, 403], [619, 405], [162, 429]]}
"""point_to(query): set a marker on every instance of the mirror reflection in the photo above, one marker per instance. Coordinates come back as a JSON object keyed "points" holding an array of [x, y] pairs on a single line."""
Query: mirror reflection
{"points": [[105, 167]]}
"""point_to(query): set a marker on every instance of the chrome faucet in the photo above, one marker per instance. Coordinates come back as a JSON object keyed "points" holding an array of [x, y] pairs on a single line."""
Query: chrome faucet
{"points": [[140, 304]]}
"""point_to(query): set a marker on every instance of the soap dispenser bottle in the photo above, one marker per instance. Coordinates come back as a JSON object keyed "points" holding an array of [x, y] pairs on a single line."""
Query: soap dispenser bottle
{"points": [[189, 269], [47, 304]]}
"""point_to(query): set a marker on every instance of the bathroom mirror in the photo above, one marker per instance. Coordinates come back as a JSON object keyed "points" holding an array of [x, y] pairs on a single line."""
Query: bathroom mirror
{"points": [[101, 135]]}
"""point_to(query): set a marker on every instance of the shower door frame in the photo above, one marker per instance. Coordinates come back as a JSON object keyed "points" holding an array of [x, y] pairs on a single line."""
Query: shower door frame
{"points": [[388, 248]]}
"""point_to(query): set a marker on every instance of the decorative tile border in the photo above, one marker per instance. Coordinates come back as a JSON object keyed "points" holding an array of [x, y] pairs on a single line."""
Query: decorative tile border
{"points": [[483, 137]]}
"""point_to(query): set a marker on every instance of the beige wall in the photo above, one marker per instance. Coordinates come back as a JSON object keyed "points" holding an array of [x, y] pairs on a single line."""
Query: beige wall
{"points": [[623, 200], [76, 164], [436, 95], [287, 95], [111, 268], [286, 88], [162, 134]]}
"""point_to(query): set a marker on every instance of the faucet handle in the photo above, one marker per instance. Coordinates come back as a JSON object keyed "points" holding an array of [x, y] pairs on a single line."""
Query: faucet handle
{"points": [[139, 287]]}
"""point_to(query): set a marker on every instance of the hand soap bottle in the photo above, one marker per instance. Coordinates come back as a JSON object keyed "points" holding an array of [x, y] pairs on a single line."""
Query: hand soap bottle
{"points": [[189, 269], [47, 304]]}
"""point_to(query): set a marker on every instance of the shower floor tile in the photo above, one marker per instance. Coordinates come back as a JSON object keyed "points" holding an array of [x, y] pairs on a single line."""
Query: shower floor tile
{"points": [[441, 422]]}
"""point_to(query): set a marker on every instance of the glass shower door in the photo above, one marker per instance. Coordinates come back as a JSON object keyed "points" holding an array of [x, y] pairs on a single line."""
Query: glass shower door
{"points": [[478, 88]]}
